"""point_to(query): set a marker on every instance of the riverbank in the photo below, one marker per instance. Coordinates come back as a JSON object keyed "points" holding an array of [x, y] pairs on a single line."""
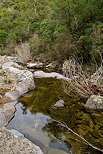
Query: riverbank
{"points": [[14, 143]]}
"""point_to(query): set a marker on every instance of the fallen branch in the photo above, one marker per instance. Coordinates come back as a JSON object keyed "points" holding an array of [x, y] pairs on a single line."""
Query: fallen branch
{"points": [[85, 141]]}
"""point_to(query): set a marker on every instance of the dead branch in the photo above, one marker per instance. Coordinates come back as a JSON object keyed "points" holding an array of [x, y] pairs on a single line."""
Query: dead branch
{"points": [[68, 128]]}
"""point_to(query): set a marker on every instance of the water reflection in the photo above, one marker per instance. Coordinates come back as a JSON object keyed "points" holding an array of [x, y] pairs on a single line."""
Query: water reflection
{"points": [[35, 126]]}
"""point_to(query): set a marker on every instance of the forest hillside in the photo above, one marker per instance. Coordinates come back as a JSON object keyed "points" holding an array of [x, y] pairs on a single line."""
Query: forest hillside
{"points": [[54, 29]]}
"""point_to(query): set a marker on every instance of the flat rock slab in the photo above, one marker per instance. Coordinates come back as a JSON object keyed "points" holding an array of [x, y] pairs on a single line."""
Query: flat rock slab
{"points": [[12, 144], [41, 74]]}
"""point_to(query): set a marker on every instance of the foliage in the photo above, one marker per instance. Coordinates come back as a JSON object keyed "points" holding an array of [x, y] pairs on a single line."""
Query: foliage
{"points": [[3, 35], [63, 27]]}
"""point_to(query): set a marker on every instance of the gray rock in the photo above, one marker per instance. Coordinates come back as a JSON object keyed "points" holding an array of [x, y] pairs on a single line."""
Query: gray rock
{"points": [[10, 144], [94, 102], [24, 80], [5, 59], [15, 132], [41, 74], [8, 67], [58, 104], [6, 113]]}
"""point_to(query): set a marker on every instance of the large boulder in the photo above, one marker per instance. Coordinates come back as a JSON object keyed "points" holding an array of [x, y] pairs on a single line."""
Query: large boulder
{"points": [[95, 102], [24, 80]]}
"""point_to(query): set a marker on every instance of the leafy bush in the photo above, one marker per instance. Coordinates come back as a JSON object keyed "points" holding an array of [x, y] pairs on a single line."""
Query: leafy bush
{"points": [[3, 36]]}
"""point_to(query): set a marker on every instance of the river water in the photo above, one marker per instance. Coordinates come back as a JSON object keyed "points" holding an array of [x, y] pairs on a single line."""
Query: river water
{"points": [[45, 126]]}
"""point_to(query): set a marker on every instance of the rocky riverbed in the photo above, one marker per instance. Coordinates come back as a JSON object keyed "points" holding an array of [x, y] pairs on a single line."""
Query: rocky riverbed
{"points": [[15, 81], [10, 79]]}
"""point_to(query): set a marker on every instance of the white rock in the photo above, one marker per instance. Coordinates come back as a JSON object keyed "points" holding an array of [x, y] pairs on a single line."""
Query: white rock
{"points": [[41, 74], [34, 65], [5, 59], [11, 67]]}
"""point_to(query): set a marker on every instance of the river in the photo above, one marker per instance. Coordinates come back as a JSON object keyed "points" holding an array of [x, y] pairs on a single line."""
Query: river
{"points": [[44, 125]]}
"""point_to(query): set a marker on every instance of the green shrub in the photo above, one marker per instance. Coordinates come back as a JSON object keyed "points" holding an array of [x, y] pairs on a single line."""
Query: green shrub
{"points": [[3, 36]]}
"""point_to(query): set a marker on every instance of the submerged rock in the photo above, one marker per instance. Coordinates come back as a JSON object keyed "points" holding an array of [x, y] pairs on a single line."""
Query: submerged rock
{"points": [[95, 102], [56, 151]]}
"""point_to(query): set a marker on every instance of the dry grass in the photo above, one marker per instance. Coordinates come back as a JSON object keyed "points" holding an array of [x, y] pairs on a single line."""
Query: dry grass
{"points": [[23, 52], [80, 84]]}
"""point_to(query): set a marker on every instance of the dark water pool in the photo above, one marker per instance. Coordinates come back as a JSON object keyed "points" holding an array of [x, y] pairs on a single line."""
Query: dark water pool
{"points": [[38, 120]]}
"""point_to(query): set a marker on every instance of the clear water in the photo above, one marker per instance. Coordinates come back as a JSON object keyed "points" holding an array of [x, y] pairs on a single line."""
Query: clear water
{"points": [[35, 118]]}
